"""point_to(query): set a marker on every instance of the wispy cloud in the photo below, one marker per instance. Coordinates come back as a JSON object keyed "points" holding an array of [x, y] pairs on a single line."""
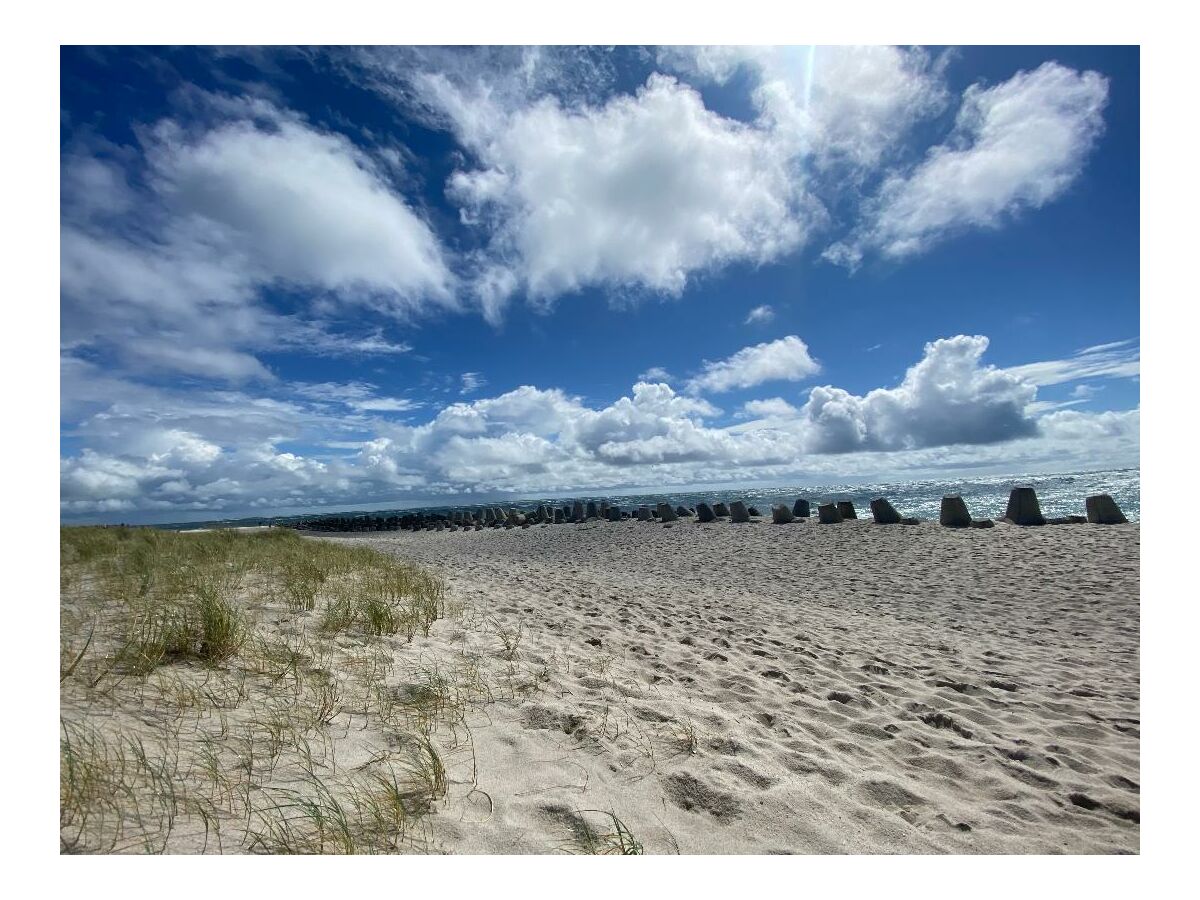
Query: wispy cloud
{"points": [[357, 395], [1113, 360], [471, 382], [1015, 147], [1101, 348], [239, 197], [760, 315], [656, 373]]}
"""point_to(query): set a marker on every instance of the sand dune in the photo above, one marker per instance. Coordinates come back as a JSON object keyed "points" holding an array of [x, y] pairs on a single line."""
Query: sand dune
{"points": [[782, 689]]}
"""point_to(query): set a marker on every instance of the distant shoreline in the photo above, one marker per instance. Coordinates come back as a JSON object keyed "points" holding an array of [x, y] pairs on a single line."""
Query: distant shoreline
{"points": [[918, 497]]}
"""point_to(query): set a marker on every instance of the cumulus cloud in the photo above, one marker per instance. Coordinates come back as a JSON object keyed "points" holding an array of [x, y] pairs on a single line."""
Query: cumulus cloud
{"points": [[1015, 147], [644, 191], [786, 359], [1074, 426], [308, 445], [571, 183], [946, 398]]}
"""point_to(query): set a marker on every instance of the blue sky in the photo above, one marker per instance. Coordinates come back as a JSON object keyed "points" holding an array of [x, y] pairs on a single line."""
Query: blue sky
{"points": [[295, 279]]}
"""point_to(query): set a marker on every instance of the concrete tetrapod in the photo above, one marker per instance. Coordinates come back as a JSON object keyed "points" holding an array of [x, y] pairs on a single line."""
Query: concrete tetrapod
{"points": [[883, 512], [954, 512], [1023, 507], [828, 513], [1103, 510]]}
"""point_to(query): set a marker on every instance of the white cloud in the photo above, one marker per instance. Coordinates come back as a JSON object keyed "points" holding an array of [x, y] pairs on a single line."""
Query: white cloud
{"points": [[289, 203], [1015, 147], [471, 382], [645, 191], [1113, 360], [319, 341], [356, 395], [760, 314], [572, 184], [170, 276], [1075, 426], [237, 228], [387, 404], [1041, 407], [170, 352], [946, 398], [656, 373], [847, 107], [786, 359], [170, 450], [770, 408], [1101, 348]]}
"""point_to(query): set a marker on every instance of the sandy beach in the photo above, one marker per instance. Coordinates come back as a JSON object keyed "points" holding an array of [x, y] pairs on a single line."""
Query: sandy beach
{"points": [[679, 449], [755, 688], [617, 687]]}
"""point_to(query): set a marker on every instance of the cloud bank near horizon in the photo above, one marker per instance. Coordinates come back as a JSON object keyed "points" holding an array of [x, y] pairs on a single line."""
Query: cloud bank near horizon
{"points": [[161, 450]]}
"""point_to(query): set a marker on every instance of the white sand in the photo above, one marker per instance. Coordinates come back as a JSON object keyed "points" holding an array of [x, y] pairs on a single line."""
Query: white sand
{"points": [[851, 688]]}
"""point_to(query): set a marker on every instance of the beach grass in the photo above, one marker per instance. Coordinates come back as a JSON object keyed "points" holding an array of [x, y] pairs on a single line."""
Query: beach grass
{"points": [[228, 692], [599, 832]]}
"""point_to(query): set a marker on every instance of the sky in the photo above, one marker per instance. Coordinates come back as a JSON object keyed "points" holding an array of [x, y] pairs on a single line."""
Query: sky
{"points": [[296, 279]]}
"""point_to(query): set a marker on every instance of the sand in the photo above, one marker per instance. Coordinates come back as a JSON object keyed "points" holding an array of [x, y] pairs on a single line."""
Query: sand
{"points": [[757, 688]]}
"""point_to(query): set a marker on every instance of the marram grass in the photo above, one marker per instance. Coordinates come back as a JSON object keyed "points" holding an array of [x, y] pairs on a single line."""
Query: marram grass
{"points": [[224, 692], [207, 681]]}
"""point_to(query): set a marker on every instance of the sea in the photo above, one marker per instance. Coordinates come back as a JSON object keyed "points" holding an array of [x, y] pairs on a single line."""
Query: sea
{"points": [[986, 497]]}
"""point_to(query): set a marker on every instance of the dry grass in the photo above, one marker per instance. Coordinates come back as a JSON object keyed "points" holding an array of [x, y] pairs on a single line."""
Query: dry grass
{"points": [[221, 692], [224, 692], [598, 832]]}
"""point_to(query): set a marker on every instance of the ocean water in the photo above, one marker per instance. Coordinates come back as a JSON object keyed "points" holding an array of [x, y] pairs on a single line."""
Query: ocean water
{"points": [[986, 497]]}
